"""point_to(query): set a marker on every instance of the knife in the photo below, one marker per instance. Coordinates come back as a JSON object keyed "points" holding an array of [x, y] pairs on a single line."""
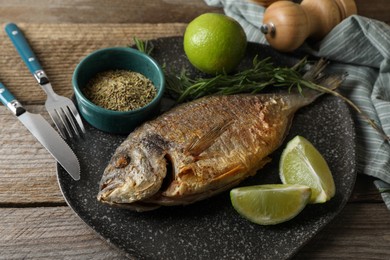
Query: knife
{"points": [[44, 132]]}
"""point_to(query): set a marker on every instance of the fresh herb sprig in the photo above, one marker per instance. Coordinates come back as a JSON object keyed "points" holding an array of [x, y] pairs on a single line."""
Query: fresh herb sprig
{"points": [[143, 46], [253, 80]]}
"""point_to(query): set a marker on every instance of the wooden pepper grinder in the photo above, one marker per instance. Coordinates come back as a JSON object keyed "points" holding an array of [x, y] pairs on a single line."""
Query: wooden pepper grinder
{"points": [[287, 25], [265, 3]]}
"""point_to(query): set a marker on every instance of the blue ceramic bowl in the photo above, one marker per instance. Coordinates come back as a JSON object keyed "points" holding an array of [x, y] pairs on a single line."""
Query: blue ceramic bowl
{"points": [[111, 59]]}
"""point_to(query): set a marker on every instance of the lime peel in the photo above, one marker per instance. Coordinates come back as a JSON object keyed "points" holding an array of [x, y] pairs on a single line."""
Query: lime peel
{"points": [[214, 43], [270, 204], [301, 163]]}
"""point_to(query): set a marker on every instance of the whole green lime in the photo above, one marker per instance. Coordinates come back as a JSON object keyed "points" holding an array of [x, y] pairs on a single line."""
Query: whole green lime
{"points": [[214, 43]]}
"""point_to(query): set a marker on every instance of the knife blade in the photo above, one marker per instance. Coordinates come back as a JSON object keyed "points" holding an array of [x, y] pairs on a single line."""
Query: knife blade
{"points": [[44, 133]]}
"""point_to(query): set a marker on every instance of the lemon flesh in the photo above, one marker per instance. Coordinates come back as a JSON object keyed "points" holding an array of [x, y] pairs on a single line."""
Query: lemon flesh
{"points": [[301, 163], [214, 43], [270, 204]]}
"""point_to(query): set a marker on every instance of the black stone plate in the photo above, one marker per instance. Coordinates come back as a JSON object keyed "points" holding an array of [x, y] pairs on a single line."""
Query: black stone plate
{"points": [[212, 229]]}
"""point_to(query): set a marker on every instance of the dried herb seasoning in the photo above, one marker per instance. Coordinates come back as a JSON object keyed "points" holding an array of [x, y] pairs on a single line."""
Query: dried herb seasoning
{"points": [[120, 90]]}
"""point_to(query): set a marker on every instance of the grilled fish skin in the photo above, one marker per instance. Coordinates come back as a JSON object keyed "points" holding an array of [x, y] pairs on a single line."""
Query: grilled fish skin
{"points": [[209, 145], [198, 149]]}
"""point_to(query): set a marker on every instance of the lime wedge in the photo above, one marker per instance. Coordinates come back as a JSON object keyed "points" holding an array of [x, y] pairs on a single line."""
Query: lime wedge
{"points": [[301, 163], [270, 204]]}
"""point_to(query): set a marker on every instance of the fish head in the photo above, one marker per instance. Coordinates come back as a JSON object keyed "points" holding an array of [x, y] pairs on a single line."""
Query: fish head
{"points": [[132, 174]]}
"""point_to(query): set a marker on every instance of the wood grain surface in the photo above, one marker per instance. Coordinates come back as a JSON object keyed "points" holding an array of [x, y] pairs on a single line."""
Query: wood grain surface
{"points": [[102, 11], [133, 11], [36, 222]]}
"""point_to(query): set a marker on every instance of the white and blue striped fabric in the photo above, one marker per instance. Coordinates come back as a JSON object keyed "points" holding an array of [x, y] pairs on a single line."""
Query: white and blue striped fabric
{"points": [[360, 47]]}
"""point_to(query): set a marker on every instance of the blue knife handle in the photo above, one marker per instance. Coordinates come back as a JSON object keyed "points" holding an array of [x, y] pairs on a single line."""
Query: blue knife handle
{"points": [[10, 101], [5, 95], [23, 48]]}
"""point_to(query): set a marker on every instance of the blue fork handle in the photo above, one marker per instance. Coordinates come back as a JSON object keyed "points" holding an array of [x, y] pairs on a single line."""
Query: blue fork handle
{"points": [[23, 48]]}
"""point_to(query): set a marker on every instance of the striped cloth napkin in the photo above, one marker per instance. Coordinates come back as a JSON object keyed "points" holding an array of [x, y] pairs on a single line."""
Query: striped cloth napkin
{"points": [[360, 47]]}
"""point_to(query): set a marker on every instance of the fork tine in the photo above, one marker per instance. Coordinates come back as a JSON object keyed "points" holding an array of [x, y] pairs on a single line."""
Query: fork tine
{"points": [[64, 121], [71, 119], [58, 123], [76, 115]]}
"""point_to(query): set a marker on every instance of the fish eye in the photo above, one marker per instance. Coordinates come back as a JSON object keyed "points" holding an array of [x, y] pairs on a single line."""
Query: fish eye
{"points": [[121, 160]]}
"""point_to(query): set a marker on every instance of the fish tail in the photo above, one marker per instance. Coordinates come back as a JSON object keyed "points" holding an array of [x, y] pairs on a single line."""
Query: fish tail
{"points": [[319, 83]]}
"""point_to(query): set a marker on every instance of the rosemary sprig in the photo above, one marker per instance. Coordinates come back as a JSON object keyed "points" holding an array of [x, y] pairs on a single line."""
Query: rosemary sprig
{"points": [[143, 46], [366, 118], [383, 190], [253, 80]]}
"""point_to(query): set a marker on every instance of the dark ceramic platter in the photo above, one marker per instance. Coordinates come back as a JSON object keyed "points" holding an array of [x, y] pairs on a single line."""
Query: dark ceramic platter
{"points": [[211, 229]]}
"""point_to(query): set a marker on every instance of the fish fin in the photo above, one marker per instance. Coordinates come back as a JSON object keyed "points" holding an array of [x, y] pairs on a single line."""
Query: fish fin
{"points": [[214, 154], [233, 171], [198, 145], [186, 170]]}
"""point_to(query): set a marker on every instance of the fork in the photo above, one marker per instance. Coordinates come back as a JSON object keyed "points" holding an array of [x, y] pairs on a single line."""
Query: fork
{"points": [[61, 109]]}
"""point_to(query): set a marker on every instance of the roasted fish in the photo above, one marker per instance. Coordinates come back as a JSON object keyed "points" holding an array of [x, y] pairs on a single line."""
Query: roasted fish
{"points": [[199, 149]]}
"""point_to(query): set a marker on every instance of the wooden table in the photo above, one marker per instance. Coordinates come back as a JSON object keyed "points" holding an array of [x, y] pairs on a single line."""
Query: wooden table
{"points": [[35, 221]]}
